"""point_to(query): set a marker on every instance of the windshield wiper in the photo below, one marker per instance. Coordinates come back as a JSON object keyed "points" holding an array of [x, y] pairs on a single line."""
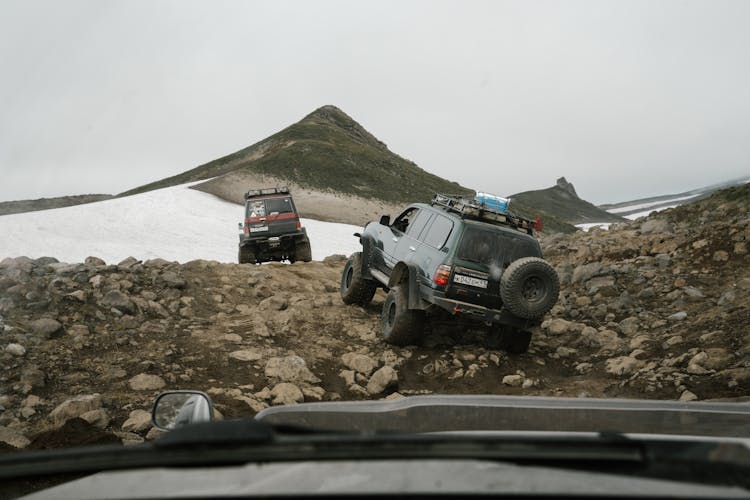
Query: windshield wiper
{"points": [[242, 441]]}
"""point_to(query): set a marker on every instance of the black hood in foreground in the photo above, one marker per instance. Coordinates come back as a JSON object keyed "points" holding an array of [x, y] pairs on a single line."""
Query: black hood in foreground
{"points": [[518, 413]]}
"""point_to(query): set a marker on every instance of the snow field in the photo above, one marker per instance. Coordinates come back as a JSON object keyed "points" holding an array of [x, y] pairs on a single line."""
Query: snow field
{"points": [[175, 223]]}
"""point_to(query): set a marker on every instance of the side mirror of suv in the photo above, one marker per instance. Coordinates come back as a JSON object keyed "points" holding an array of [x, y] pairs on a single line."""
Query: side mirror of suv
{"points": [[385, 220], [240, 226]]}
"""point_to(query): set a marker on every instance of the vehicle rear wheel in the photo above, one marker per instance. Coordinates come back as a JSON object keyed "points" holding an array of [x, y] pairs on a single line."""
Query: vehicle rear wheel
{"points": [[354, 288], [303, 252], [246, 256], [400, 325], [509, 339], [529, 287]]}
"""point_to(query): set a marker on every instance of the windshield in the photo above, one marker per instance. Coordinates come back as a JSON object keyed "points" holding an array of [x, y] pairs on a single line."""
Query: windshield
{"points": [[518, 199]]}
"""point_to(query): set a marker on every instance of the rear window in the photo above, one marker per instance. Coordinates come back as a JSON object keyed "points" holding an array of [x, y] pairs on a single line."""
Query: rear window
{"points": [[262, 208], [280, 205], [494, 247]]}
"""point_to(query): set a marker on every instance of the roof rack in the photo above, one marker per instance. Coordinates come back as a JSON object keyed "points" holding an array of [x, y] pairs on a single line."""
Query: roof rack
{"points": [[266, 191], [474, 210]]}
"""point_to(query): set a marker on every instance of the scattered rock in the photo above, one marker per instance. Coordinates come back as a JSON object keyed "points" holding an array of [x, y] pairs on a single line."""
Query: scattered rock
{"points": [[557, 326], [94, 261], [129, 438], [721, 256], [246, 355], [128, 263], [74, 408], [656, 226], [173, 280], [622, 365], [688, 396], [13, 438], [46, 327], [290, 369], [383, 378], [585, 272], [629, 326], [15, 349], [146, 382], [359, 362], [678, 316], [98, 418], [138, 421], [513, 380], [286, 393], [727, 297], [118, 300]]}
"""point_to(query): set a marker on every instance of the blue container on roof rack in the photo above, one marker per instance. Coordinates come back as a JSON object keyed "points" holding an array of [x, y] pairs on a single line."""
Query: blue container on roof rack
{"points": [[493, 202]]}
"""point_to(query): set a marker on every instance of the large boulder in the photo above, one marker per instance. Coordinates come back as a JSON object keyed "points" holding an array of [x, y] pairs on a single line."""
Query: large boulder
{"points": [[286, 393], [74, 408], [290, 369], [146, 382], [381, 380], [359, 362], [46, 327], [118, 300]]}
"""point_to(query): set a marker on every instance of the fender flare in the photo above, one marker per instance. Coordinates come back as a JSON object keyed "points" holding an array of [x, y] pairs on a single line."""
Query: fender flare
{"points": [[368, 244], [407, 272]]}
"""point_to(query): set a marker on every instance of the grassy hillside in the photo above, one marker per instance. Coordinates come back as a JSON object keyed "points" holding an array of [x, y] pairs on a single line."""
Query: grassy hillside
{"points": [[326, 150], [552, 224], [22, 206]]}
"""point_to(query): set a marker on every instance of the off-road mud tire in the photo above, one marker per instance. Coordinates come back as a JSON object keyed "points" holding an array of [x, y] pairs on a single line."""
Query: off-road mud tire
{"points": [[529, 287], [302, 252], [509, 339], [354, 288], [245, 256], [400, 325]]}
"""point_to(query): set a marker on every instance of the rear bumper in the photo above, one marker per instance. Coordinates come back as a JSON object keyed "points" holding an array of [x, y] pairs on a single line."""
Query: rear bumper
{"points": [[273, 244], [477, 312]]}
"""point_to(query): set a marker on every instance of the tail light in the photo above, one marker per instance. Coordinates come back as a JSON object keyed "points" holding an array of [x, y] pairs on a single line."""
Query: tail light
{"points": [[442, 275], [299, 224]]}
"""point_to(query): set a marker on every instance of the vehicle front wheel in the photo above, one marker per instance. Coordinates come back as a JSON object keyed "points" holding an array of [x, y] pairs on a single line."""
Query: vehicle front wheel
{"points": [[303, 252], [400, 325], [509, 339], [246, 256], [354, 288]]}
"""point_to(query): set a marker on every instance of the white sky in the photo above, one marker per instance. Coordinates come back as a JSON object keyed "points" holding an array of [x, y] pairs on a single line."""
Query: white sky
{"points": [[625, 99]]}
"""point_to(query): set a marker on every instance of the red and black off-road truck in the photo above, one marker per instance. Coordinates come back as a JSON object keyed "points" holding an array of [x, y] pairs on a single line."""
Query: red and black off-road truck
{"points": [[272, 229]]}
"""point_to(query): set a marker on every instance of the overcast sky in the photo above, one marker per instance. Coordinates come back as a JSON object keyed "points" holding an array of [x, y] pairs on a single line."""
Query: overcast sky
{"points": [[625, 99]]}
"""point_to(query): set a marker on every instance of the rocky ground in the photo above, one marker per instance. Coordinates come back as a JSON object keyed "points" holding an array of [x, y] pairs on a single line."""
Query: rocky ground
{"points": [[656, 308]]}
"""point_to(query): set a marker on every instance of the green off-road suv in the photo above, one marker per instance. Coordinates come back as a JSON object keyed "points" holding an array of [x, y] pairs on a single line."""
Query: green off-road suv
{"points": [[272, 229], [455, 258]]}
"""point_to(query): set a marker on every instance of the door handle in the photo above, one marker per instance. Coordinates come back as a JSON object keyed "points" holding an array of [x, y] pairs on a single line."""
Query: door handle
{"points": [[395, 239], [412, 249]]}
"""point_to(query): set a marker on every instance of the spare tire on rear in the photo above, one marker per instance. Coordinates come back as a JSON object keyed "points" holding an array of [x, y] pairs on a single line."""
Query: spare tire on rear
{"points": [[529, 287]]}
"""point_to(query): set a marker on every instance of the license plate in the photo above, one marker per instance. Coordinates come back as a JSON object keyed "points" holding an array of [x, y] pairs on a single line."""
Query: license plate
{"points": [[258, 229], [468, 280]]}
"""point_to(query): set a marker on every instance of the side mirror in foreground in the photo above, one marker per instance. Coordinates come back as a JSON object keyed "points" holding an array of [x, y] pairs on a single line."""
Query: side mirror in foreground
{"points": [[174, 409]]}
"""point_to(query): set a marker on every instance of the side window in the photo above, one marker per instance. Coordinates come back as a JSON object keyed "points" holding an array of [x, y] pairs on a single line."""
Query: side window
{"points": [[416, 227], [405, 219], [438, 233]]}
